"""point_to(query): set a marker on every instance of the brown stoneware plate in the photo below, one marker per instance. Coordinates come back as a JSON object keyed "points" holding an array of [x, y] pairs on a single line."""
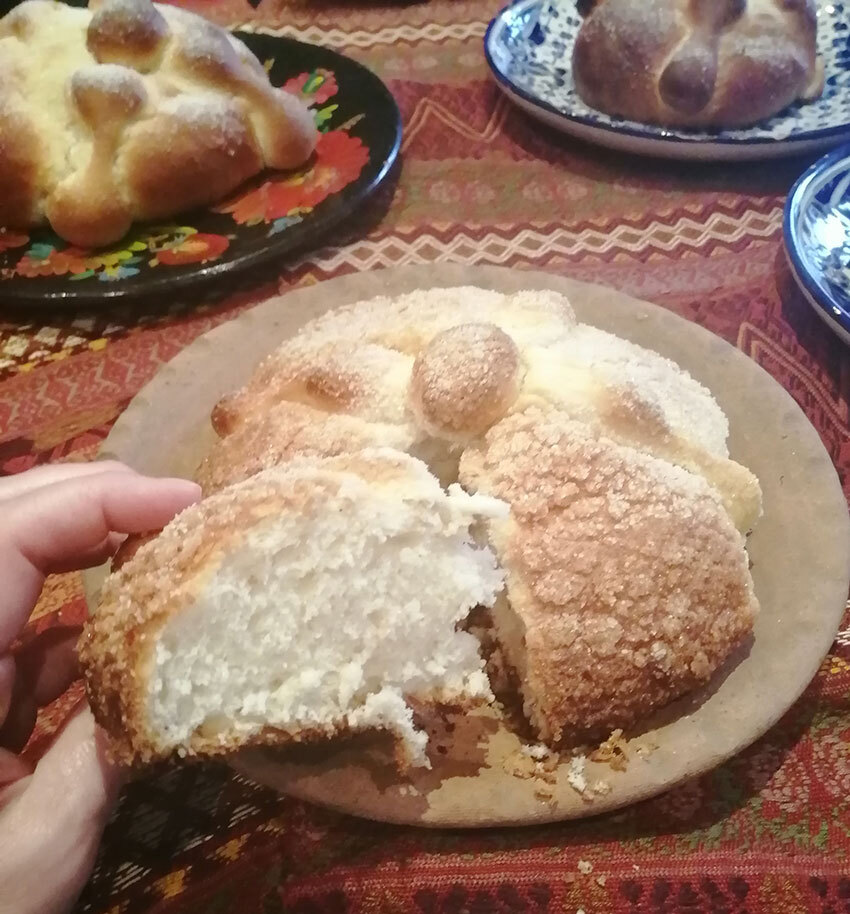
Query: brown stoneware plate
{"points": [[800, 554]]}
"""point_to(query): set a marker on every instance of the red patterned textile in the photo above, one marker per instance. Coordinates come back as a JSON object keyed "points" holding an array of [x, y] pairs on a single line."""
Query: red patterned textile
{"points": [[767, 833]]}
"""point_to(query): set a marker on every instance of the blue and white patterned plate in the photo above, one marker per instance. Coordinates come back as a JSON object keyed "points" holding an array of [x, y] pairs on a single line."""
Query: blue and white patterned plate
{"points": [[529, 48], [817, 238]]}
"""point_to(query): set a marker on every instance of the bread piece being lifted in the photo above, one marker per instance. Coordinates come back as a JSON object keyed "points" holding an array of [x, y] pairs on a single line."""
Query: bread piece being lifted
{"points": [[131, 111], [305, 602]]}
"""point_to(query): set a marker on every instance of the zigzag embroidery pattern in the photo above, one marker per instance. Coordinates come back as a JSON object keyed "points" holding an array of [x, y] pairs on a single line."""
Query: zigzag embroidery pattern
{"points": [[499, 246], [427, 108], [726, 227], [337, 38]]}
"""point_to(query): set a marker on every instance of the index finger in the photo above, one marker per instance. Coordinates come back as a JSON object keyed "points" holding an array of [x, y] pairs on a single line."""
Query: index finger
{"points": [[53, 524], [38, 477]]}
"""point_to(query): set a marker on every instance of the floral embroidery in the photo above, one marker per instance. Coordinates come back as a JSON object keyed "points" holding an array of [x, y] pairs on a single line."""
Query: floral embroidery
{"points": [[278, 203]]}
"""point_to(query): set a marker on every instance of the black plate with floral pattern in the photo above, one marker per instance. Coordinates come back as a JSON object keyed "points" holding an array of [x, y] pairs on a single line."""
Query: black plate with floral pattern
{"points": [[274, 215]]}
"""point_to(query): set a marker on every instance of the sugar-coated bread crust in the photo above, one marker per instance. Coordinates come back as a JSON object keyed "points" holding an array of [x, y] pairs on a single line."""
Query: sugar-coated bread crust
{"points": [[319, 400], [131, 111], [291, 430], [700, 63], [22, 164], [464, 380], [446, 364], [629, 579], [624, 554]]}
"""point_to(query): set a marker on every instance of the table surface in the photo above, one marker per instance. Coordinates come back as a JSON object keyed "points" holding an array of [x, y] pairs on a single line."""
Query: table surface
{"points": [[480, 183]]}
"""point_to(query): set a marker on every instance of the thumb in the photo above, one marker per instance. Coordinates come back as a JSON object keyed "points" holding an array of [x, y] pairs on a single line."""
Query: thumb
{"points": [[50, 830]]}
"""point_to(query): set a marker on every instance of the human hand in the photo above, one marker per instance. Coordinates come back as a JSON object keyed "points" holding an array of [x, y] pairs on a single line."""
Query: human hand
{"points": [[58, 518]]}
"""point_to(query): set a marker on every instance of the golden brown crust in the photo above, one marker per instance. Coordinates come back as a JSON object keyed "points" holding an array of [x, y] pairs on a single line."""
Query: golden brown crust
{"points": [[315, 399], [631, 421], [629, 578], [286, 431], [91, 206], [130, 547], [129, 32], [181, 159], [407, 323], [457, 376], [623, 570], [336, 376], [464, 380], [722, 63], [163, 573], [455, 370], [282, 125]]}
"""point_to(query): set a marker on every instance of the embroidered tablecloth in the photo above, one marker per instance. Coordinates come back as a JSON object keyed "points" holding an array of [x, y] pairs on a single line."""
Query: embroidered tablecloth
{"points": [[769, 831]]}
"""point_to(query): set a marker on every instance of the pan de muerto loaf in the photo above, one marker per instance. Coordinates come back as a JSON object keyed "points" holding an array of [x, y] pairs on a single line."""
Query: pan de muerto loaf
{"points": [[720, 63], [320, 584], [131, 111]]}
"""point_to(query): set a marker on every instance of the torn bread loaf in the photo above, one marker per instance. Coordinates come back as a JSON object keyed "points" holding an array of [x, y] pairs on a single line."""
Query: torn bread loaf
{"points": [[624, 551], [307, 601], [131, 111]]}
